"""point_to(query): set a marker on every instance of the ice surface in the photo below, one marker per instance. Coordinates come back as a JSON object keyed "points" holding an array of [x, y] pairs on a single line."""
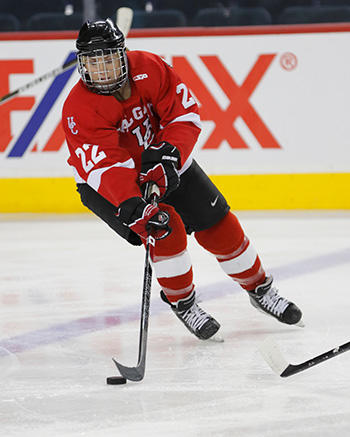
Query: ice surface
{"points": [[70, 294]]}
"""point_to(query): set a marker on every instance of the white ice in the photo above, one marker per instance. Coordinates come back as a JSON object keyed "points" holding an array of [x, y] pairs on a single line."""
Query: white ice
{"points": [[70, 293]]}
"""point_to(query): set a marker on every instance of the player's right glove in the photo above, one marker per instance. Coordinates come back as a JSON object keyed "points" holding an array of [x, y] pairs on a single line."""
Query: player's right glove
{"points": [[159, 164], [144, 218]]}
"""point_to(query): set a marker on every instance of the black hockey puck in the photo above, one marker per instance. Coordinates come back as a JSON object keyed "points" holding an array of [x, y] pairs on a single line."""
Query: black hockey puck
{"points": [[115, 380]]}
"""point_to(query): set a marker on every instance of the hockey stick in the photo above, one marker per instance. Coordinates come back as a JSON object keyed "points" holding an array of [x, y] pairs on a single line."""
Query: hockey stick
{"points": [[274, 358], [124, 20], [55, 72], [137, 373]]}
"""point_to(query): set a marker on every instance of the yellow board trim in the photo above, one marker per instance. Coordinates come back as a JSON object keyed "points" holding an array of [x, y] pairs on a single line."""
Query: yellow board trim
{"points": [[54, 195], [286, 191], [243, 192]]}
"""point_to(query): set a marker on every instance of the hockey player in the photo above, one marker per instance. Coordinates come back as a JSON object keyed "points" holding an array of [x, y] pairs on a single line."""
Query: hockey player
{"points": [[131, 120]]}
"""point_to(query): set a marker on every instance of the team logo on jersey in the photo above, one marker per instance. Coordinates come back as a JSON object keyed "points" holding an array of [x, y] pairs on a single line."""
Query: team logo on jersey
{"points": [[71, 125], [141, 76]]}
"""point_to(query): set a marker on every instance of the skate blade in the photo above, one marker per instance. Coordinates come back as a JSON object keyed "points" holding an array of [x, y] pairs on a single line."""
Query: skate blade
{"points": [[217, 338], [301, 323]]}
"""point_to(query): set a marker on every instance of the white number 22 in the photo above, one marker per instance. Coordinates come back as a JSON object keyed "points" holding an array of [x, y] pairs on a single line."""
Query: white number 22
{"points": [[187, 99], [95, 157]]}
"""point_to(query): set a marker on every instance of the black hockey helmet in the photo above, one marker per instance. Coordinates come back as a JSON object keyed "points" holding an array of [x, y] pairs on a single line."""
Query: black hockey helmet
{"points": [[102, 61]]}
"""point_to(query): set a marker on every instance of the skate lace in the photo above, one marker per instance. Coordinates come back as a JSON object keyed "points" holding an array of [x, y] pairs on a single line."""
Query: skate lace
{"points": [[273, 302], [195, 317]]}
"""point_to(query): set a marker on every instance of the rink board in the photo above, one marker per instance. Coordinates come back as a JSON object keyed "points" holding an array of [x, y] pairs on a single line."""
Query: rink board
{"points": [[243, 192], [273, 103]]}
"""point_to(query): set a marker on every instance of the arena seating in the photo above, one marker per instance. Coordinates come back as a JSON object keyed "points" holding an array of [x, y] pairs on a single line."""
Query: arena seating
{"points": [[9, 23], [233, 16], [54, 21], [166, 18], [212, 17], [25, 10], [107, 8], [68, 14], [321, 14], [334, 2]]}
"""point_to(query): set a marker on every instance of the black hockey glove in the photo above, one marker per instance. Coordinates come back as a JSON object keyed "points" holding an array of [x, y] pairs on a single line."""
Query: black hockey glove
{"points": [[159, 164], [143, 217]]}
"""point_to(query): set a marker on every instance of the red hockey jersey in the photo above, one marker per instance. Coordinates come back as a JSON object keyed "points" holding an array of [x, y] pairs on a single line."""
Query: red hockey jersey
{"points": [[106, 137]]}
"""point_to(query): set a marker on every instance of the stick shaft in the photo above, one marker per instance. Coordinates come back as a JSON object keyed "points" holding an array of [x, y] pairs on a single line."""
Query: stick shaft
{"points": [[137, 373], [55, 72], [292, 369], [146, 296]]}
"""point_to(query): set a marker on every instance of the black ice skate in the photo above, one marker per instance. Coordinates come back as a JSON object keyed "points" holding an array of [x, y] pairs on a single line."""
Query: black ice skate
{"points": [[266, 299], [197, 321]]}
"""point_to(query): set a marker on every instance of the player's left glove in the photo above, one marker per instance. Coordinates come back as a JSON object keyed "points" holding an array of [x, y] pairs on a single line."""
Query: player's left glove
{"points": [[159, 164], [144, 218]]}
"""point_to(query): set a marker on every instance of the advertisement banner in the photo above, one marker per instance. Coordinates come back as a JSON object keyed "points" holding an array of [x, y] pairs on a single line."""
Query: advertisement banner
{"points": [[269, 103]]}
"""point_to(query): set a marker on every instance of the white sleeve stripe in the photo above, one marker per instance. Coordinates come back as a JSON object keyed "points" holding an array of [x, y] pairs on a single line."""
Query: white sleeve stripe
{"points": [[78, 179], [94, 178], [192, 117], [187, 164]]}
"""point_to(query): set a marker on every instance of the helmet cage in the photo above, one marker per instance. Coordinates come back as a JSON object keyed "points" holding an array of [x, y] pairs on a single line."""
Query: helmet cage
{"points": [[104, 71]]}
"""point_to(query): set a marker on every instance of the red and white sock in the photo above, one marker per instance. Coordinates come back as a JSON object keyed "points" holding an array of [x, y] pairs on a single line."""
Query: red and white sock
{"points": [[234, 252], [171, 261]]}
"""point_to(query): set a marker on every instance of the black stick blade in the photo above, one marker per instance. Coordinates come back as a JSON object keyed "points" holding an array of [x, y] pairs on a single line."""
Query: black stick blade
{"points": [[131, 373], [273, 356], [292, 370]]}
